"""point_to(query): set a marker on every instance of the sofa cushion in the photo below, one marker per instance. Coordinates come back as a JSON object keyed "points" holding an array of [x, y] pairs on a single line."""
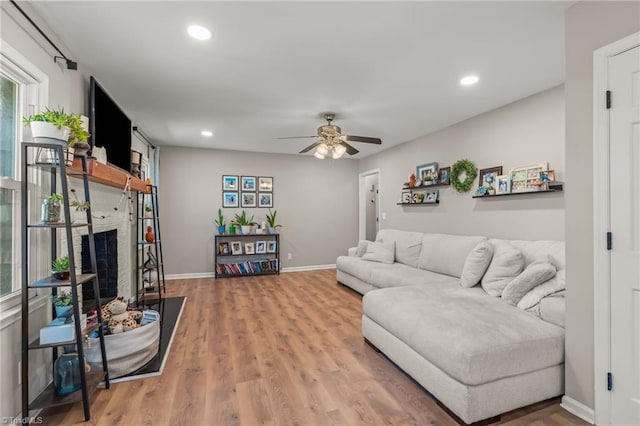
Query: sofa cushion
{"points": [[362, 247], [532, 276], [407, 275], [507, 263], [552, 309], [380, 252], [446, 254], [533, 297], [469, 335], [363, 269], [408, 245], [476, 264]]}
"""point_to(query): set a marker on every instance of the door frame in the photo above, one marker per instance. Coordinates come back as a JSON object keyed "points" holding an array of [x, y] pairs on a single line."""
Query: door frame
{"points": [[362, 202], [601, 225]]}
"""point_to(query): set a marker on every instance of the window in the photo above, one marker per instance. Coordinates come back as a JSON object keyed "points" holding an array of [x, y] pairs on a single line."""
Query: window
{"points": [[22, 92]]}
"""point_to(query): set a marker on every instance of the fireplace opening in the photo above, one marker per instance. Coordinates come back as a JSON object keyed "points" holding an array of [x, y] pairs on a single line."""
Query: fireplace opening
{"points": [[107, 265]]}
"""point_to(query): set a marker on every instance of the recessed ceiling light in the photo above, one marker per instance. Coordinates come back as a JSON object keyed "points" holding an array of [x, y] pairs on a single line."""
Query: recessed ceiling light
{"points": [[469, 80], [206, 133], [199, 32]]}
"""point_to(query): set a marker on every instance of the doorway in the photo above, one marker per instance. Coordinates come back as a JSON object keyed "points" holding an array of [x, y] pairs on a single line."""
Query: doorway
{"points": [[369, 204], [617, 231]]}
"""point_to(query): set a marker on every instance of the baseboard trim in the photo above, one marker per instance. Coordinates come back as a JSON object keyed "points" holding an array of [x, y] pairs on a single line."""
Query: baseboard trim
{"points": [[188, 276], [307, 268], [578, 409]]}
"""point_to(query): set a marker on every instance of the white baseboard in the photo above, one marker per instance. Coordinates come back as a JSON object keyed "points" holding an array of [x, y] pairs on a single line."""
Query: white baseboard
{"points": [[578, 409], [188, 276], [212, 275], [307, 268]]}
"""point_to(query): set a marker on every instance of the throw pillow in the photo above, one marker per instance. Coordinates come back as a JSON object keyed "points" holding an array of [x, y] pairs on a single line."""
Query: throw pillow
{"points": [[362, 247], [533, 275], [506, 264], [380, 252], [476, 264]]}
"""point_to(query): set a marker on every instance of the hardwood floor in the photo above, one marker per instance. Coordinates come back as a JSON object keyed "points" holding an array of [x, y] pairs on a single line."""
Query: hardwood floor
{"points": [[275, 350]]}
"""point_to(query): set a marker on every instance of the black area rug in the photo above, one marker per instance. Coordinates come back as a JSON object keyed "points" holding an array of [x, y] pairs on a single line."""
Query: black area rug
{"points": [[170, 310]]}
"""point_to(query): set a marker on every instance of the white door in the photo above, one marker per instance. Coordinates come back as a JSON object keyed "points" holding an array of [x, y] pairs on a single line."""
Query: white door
{"points": [[371, 184], [624, 84]]}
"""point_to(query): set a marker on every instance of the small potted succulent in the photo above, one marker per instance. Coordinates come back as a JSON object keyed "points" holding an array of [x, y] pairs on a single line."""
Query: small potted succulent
{"points": [[63, 304], [244, 222], [51, 208], [220, 222], [60, 268], [271, 220], [148, 211]]}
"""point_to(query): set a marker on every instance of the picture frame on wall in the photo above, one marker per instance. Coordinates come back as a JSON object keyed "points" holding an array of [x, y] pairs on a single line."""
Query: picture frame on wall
{"points": [[503, 184], [248, 183], [236, 247], [261, 247], [272, 246], [229, 199], [249, 248], [229, 182], [488, 177], [431, 197], [265, 184], [406, 197], [527, 178], [443, 176], [427, 173], [248, 199], [265, 199]]}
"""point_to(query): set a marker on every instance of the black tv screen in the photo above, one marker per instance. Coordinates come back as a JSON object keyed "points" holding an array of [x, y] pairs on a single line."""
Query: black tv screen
{"points": [[109, 127]]}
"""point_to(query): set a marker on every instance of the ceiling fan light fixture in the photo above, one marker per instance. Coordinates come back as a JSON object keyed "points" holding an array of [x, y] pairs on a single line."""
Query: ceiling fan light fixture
{"points": [[322, 149], [318, 155], [338, 151]]}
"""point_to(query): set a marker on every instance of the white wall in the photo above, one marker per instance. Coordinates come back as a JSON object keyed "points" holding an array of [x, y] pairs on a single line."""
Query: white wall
{"points": [[589, 26], [67, 89], [525, 132], [316, 203]]}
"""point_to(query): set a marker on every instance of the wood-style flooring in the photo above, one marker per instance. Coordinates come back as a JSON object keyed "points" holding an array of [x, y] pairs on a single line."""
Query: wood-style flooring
{"points": [[281, 350]]}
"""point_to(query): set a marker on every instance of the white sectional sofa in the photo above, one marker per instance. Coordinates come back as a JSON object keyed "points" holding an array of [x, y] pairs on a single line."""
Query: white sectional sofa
{"points": [[479, 355]]}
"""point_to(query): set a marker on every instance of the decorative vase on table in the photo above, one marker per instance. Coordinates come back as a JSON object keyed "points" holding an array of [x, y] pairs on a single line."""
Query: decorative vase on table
{"points": [[150, 236], [221, 230], [63, 311], [232, 230], [246, 229], [272, 230]]}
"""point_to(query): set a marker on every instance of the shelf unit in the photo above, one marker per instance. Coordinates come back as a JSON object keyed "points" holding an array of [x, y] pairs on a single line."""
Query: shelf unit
{"points": [[418, 204], [244, 265], [553, 187], [422, 188], [88, 380], [149, 254]]}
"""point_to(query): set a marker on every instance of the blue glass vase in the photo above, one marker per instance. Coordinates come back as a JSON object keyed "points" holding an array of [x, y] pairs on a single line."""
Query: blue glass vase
{"points": [[66, 374]]}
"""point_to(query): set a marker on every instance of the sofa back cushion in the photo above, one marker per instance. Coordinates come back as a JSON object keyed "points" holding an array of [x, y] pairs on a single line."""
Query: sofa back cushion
{"points": [[476, 264], [407, 243], [506, 265], [379, 252], [446, 254]]}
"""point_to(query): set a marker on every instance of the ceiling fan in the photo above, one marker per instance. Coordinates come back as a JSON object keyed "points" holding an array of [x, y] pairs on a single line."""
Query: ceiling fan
{"points": [[330, 139]]}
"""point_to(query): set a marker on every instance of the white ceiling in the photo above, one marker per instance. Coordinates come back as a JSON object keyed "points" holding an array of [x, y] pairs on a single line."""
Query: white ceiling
{"points": [[388, 70]]}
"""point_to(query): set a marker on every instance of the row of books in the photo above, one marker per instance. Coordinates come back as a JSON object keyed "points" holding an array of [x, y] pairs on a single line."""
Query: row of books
{"points": [[245, 268]]}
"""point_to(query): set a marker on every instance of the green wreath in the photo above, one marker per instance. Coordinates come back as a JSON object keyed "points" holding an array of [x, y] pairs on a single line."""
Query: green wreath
{"points": [[459, 168]]}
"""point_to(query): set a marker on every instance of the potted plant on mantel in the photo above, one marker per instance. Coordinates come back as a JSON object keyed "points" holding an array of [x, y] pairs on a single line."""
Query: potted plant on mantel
{"points": [[220, 222], [271, 220], [244, 222]]}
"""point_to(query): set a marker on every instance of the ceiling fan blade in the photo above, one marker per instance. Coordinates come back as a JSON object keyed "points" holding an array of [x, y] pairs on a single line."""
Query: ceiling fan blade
{"points": [[309, 148], [350, 150], [365, 139], [298, 137]]}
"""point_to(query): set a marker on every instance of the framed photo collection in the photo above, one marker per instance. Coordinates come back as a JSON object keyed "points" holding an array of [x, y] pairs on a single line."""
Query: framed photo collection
{"points": [[247, 191]]}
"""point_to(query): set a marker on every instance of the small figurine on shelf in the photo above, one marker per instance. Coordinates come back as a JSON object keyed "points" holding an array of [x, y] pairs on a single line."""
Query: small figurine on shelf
{"points": [[150, 236], [412, 180]]}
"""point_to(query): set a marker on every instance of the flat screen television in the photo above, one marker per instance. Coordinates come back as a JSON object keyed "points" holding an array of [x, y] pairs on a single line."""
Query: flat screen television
{"points": [[109, 127]]}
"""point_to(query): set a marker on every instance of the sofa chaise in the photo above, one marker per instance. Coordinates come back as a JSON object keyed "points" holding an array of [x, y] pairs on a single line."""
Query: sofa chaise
{"points": [[477, 322]]}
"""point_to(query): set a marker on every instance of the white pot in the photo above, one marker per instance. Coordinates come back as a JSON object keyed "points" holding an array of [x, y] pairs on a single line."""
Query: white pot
{"points": [[42, 131], [246, 230]]}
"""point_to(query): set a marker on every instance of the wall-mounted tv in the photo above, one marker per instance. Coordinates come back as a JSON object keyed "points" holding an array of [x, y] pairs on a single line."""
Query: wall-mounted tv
{"points": [[109, 127]]}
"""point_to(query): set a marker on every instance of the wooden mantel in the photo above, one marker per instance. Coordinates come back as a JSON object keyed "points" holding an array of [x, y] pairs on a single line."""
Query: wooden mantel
{"points": [[108, 175]]}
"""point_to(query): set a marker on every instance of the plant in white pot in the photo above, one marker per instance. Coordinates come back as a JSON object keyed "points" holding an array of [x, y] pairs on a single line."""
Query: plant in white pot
{"points": [[244, 222], [271, 220]]}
